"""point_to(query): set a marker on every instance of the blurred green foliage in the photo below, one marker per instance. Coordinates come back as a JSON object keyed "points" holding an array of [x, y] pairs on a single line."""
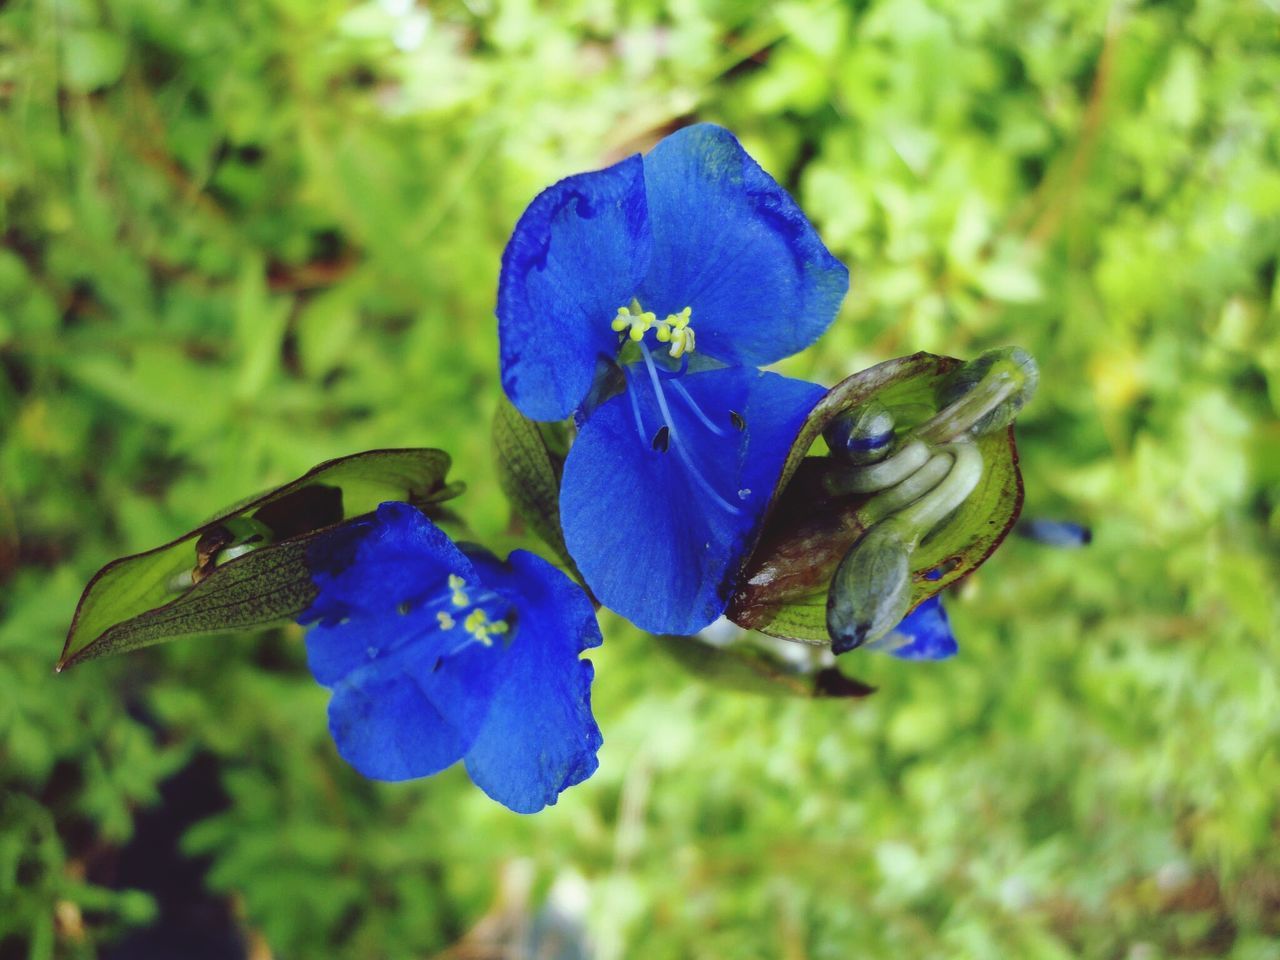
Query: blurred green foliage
{"points": [[239, 239]]}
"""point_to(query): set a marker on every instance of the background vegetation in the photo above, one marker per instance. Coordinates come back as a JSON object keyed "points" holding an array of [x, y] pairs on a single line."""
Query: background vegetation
{"points": [[241, 238]]}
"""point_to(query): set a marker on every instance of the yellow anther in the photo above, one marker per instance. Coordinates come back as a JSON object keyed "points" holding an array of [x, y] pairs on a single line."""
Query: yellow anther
{"points": [[481, 628], [675, 329], [682, 341], [459, 598], [634, 320], [678, 333], [446, 622]]}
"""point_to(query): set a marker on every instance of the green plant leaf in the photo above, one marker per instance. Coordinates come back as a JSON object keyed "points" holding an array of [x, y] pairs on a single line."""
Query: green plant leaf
{"points": [[750, 668], [180, 588], [530, 460], [783, 586], [267, 585]]}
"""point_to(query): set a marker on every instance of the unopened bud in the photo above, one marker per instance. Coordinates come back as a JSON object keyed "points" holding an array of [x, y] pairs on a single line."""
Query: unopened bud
{"points": [[871, 590], [861, 435], [987, 393]]}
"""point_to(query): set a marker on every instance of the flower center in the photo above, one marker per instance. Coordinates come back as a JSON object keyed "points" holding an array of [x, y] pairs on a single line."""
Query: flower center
{"points": [[476, 622], [675, 329], [634, 322]]}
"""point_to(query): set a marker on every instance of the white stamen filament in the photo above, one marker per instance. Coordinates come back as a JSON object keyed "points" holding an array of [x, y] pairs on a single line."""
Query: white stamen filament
{"points": [[674, 437]]}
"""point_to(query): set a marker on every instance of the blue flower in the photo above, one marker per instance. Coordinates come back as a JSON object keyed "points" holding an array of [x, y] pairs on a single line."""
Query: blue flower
{"points": [[924, 634], [435, 654], [679, 273]]}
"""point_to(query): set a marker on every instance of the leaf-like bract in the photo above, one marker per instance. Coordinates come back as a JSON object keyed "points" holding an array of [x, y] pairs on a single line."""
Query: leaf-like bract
{"points": [[529, 468], [783, 587], [179, 588]]}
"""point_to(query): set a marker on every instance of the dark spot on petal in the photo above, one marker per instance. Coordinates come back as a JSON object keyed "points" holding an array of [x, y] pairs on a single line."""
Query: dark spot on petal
{"points": [[736, 419], [662, 439]]}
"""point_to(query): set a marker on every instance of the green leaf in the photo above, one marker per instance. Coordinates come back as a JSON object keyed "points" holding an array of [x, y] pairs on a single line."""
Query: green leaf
{"points": [[783, 586], [750, 668], [180, 588], [265, 586], [530, 460]]}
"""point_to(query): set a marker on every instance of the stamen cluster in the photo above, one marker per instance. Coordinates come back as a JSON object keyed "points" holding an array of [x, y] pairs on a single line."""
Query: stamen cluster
{"points": [[674, 329], [477, 622]]}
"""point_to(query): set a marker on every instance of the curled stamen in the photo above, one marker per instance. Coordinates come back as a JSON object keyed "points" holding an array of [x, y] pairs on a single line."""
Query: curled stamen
{"points": [[906, 492], [930, 510], [886, 473]]}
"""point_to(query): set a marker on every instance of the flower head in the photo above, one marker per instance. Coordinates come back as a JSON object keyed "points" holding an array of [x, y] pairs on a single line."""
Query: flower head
{"points": [[685, 269], [436, 655]]}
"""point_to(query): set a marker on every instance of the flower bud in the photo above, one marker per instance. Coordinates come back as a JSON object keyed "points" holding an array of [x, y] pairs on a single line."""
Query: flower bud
{"points": [[861, 435], [871, 590], [1008, 376]]}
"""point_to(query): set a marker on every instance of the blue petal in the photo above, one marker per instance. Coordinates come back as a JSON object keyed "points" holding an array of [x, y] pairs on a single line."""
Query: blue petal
{"points": [[576, 256], [924, 634], [539, 737], [364, 572], [413, 714], [651, 542], [729, 242], [409, 697]]}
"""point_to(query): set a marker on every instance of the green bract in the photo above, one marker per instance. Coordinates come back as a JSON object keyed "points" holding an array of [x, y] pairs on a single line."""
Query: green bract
{"points": [[784, 586], [190, 586], [529, 458]]}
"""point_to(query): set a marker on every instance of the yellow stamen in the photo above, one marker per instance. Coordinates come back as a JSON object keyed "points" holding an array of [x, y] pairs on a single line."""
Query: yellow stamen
{"points": [[682, 341], [459, 598], [482, 629], [675, 329], [446, 622]]}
